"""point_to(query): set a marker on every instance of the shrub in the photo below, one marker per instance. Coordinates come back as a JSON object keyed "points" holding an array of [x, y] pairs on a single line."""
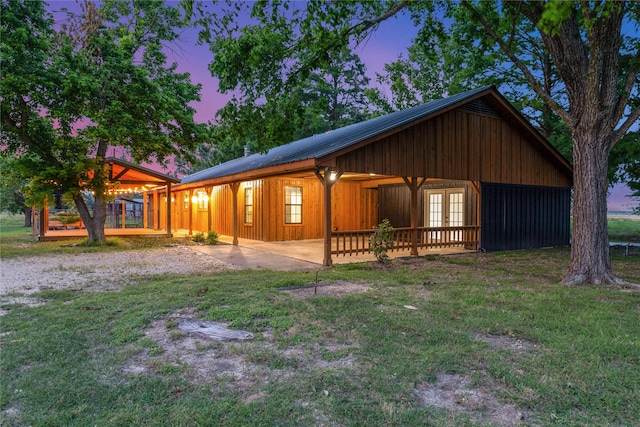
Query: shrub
{"points": [[212, 238], [381, 240]]}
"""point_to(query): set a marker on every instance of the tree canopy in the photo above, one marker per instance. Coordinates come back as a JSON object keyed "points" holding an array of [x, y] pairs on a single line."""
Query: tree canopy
{"points": [[98, 81]]}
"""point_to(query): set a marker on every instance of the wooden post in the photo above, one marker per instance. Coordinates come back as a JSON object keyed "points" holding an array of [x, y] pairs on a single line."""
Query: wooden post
{"points": [[209, 191], [234, 190], [414, 186], [327, 183], [145, 208], [124, 212], [190, 211], [169, 231], [156, 210], [44, 220]]}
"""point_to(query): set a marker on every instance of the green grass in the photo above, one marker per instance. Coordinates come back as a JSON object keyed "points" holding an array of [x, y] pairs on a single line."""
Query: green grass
{"points": [[353, 360], [624, 230], [64, 362], [16, 241]]}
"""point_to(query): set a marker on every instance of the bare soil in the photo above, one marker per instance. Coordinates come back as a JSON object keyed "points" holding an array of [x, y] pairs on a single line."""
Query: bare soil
{"points": [[97, 272]]}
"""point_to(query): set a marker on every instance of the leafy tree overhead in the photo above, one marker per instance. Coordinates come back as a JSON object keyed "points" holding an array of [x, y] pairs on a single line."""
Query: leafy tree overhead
{"points": [[101, 80], [329, 98], [593, 62]]}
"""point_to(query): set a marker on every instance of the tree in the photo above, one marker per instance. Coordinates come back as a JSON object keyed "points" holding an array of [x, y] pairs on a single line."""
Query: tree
{"points": [[100, 81], [596, 64], [12, 197]]}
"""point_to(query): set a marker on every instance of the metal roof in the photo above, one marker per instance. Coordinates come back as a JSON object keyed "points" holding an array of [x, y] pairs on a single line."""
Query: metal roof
{"points": [[318, 146]]}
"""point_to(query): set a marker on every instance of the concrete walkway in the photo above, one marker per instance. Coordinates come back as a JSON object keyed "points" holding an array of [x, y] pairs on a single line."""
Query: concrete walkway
{"points": [[254, 259]]}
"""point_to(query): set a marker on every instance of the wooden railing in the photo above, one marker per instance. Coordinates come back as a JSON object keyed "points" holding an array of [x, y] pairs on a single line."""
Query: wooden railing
{"points": [[357, 241]]}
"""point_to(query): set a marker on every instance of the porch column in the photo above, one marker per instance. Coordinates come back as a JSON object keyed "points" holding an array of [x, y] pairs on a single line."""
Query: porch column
{"points": [[44, 220], [414, 186], [190, 211], [209, 191], [327, 183], [156, 210], [124, 213], [169, 231], [145, 208], [234, 191]]}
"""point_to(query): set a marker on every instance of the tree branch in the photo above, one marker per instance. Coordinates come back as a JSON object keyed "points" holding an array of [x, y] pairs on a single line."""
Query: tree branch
{"points": [[623, 99], [622, 130], [538, 89]]}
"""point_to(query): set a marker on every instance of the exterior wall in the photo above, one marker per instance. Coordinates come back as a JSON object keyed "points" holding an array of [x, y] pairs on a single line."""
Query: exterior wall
{"points": [[459, 145], [523, 217], [353, 208], [395, 202]]}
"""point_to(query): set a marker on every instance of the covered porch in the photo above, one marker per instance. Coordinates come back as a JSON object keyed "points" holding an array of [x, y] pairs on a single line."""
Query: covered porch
{"points": [[139, 196], [311, 250]]}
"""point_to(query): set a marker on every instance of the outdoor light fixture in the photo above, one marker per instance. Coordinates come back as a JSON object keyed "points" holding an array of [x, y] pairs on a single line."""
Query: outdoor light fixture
{"points": [[333, 176], [194, 199]]}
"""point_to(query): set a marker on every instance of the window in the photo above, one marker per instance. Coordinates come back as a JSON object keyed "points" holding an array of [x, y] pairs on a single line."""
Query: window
{"points": [[203, 200], [186, 202], [293, 205], [248, 205]]}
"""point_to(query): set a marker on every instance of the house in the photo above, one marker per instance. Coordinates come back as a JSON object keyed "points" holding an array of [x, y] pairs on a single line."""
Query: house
{"points": [[467, 171]]}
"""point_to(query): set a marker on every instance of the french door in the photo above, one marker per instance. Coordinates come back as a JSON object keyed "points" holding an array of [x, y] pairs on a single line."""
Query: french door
{"points": [[444, 208]]}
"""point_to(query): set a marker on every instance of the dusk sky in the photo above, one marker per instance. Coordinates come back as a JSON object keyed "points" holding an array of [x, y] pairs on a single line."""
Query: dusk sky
{"points": [[392, 39]]}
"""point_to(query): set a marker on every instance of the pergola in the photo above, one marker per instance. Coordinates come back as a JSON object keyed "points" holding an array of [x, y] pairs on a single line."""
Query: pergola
{"points": [[125, 177]]}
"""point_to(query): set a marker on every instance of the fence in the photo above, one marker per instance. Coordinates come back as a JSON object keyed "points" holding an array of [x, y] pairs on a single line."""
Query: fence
{"points": [[357, 241]]}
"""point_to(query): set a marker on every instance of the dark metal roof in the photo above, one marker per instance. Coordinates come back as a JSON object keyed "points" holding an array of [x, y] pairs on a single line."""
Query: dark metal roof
{"points": [[318, 146]]}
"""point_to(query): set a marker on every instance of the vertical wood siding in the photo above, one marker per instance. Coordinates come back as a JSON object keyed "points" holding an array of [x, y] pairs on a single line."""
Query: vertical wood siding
{"points": [[523, 217], [395, 203], [459, 145]]}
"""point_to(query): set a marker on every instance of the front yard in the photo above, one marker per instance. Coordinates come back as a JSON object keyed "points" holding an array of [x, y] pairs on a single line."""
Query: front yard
{"points": [[475, 339]]}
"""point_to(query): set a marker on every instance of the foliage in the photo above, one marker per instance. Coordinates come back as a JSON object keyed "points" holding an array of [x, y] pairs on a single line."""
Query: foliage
{"points": [[12, 197], [381, 240], [212, 238], [100, 80]]}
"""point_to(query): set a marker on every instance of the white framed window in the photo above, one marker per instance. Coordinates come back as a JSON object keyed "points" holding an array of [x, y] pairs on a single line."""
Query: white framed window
{"points": [[248, 205], [292, 205]]}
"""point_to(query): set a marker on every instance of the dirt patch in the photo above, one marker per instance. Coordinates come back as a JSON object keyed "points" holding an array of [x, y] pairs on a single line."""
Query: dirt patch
{"points": [[456, 393], [324, 288], [96, 272], [242, 365], [507, 342]]}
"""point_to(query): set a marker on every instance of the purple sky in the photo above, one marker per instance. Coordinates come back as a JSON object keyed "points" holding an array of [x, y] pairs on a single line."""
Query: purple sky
{"points": [[392, 39]]}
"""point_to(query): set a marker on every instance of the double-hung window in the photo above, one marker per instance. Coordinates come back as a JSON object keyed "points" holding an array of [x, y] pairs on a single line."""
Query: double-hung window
{"points": [[293, 205], [248, 205]]}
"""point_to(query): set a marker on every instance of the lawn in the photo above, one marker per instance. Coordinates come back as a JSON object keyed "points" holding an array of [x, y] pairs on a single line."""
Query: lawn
{"points": [[476, 339]]}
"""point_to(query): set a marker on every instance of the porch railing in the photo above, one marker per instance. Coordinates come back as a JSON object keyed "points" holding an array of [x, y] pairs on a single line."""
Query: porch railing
{"points": [[357, 241]]}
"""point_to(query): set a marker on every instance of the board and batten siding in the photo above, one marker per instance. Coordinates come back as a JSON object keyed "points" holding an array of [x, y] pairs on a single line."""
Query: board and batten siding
{"points": [[395, 202], [523, 217], [458, 145]]}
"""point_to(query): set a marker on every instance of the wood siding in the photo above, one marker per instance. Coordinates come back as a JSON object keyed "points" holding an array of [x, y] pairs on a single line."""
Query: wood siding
{"points": [[523, 217], [353, 208], [459, 145], [395, 203]]}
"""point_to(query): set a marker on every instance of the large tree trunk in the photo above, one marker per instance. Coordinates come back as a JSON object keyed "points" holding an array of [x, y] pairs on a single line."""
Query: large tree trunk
{"points": [[27, 216], [95, 223], [590, 261]]}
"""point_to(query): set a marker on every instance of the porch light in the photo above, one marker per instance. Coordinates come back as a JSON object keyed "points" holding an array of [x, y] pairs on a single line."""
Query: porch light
{"points": [[194, 199], [333, 176]]}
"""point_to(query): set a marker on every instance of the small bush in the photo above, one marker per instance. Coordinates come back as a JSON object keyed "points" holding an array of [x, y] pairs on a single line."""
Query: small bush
{"points": [[198, 237], [212, 238], [381, 240]]}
